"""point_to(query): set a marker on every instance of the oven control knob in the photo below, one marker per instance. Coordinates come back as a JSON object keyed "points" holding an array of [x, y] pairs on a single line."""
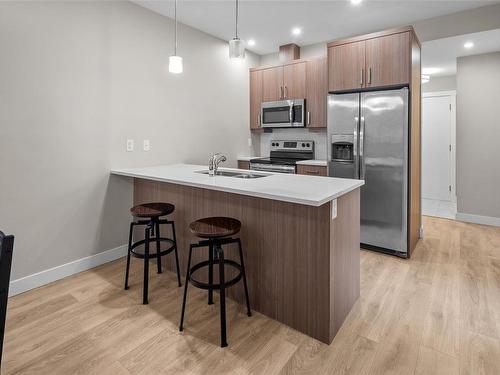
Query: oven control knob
{"points": [[308, 145], [303, 145]]}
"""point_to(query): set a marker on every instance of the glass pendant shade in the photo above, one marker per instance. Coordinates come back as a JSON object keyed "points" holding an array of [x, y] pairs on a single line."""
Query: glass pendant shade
{"points": [[236, 48], [175, 64]]}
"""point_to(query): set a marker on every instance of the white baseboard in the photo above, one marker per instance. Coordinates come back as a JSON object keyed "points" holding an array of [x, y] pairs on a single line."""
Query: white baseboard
{"points": [[477, 219], [45, 277]]}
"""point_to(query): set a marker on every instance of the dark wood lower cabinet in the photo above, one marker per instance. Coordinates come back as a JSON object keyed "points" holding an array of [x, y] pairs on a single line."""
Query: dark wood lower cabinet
{"points": [[312, 170], [243, 164]]}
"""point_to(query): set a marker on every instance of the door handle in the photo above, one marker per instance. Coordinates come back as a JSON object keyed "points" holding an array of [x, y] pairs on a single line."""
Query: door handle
{"points": [[281, 92], [286, 92], [355, 147], [258, 120], [291, 113], [370, 76], [308, 118], [362, 73], [362, 149], [312, 172]]}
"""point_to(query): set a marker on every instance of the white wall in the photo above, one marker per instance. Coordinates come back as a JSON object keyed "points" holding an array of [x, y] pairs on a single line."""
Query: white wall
{"points": [[478, 135], [77, 80], [440, 83]]}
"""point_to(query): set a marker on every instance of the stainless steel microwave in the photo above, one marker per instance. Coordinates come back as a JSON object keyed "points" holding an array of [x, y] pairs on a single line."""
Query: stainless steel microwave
{"points": [[283, 114]]}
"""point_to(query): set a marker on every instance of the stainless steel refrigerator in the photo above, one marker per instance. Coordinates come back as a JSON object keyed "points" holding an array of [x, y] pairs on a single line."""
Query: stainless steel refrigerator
{"points": [[368, 140]]}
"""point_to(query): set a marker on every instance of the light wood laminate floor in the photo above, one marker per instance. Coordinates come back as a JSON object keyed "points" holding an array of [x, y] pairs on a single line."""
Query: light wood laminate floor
{"points": [[438, 313]]}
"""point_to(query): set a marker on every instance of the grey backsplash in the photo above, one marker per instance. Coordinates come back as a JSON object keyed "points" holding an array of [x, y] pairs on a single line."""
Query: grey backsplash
{"points": [[319, 139]]}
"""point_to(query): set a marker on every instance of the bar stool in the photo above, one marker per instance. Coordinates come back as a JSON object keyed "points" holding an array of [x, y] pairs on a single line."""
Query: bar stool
{"points": [[215, 232], [149, 214]]}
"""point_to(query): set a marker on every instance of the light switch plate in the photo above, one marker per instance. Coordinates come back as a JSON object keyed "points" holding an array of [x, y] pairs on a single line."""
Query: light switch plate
{"points": [[146, 146], [130, 145], [334, 209]]}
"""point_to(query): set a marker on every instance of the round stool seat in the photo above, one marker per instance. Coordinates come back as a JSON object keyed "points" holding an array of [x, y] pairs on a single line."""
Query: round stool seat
{"points": [[156, 209], [215, 227]]}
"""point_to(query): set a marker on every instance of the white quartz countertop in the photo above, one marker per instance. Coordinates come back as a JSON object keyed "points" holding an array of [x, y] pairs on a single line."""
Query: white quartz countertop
{"points": [[316, 162], [247, 158], [301, 189]]}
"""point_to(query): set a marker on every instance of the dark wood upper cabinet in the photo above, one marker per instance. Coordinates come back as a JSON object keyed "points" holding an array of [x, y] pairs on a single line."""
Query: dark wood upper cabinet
{"points": [[302, 79], [272, 84], [294, 81], [380, 59], [255, 98], [346, 66], [388, 60], [316, 93]]}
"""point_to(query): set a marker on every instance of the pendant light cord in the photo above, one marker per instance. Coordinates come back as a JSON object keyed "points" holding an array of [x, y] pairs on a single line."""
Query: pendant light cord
{"points": [[236, 19], [175, 14]]}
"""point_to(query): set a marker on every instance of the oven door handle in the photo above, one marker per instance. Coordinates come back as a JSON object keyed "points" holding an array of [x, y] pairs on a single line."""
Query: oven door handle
{"points": [[272, 168]]}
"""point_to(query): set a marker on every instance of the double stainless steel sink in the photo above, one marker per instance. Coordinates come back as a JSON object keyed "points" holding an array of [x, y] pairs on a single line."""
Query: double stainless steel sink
{"points": [[247, 175]]}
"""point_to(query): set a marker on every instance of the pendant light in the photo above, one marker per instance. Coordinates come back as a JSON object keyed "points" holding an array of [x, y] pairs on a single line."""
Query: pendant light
{"points": [[175, 62], [236, 45]]}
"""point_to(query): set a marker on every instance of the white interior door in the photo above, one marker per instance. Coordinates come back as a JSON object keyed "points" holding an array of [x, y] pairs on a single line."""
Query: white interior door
{"points": [[437, 147]]}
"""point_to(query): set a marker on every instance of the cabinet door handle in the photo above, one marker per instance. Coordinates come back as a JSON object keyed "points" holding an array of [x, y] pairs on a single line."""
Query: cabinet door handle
{"points": [[308, 118], [361, 77], [312, 172], [258, 120], [286, 92], [369, 76], [281, 92]]}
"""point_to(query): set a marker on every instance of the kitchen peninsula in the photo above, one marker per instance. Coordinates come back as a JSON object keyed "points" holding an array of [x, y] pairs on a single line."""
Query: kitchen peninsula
{"points": [[300, 235]]}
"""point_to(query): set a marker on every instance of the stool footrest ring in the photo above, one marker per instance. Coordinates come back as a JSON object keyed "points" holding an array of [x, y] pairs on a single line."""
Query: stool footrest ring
{"points": [[152, 242], [207, 286]]}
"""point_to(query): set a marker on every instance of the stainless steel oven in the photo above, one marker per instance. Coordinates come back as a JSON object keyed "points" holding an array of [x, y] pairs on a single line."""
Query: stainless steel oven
{"points": [[284, 156], [283, 114]]}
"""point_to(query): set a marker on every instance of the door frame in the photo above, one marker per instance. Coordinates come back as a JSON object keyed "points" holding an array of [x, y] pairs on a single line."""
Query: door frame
{"points": [[453, 136]]}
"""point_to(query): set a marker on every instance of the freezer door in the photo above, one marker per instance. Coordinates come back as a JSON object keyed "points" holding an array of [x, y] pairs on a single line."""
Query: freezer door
{"points": [[343, 120], [384, 167]]}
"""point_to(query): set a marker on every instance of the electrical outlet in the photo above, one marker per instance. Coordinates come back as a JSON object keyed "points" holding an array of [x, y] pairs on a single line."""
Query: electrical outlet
{"points": [[334, 209], [146, 146], [130, 145]]}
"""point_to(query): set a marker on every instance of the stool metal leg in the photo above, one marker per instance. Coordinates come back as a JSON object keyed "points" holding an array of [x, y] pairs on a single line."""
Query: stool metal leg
{"points": [[222, 280], [211, 272], [249, 311], [181, 326], [176, 256], [158, 246], [127, 269], [146, 266]]}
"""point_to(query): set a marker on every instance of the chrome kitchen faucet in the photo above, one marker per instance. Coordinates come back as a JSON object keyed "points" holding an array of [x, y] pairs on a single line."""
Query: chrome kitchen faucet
{"points": [[213, 163]]}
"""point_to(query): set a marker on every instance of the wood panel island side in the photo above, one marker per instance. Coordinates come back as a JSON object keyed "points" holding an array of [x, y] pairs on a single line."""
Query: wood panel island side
{"points": [[302, 264]]}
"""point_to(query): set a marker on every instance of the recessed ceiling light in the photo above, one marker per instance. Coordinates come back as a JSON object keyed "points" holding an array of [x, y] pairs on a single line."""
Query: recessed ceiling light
{"points": [[469, 45], [356, 2], [296, 31], [429, 71], [251, 42]]}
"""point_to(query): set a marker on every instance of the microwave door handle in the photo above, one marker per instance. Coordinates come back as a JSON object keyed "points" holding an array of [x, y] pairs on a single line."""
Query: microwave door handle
{"points": [[291, 113]]}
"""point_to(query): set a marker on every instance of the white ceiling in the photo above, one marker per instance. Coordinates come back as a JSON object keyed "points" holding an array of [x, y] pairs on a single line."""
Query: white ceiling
{"points": [[441, 54], [269, 22]]}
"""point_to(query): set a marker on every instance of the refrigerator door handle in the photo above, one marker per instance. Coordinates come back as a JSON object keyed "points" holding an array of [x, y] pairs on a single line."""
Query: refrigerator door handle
{"points": [[355, 148], [361, 149]]}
